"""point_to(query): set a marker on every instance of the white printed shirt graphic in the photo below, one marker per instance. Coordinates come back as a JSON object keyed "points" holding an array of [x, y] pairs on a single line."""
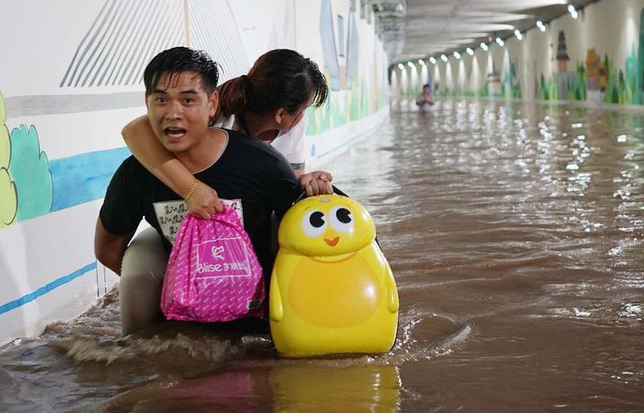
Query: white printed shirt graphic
{"points": [[171, 213]]}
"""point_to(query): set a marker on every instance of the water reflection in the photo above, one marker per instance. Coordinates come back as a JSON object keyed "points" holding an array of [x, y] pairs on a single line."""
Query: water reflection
{"points": [[312, 389], [306, 387]]}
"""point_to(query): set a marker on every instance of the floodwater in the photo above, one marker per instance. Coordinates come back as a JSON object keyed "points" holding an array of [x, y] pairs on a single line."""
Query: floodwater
{"points": [[515, 233]]}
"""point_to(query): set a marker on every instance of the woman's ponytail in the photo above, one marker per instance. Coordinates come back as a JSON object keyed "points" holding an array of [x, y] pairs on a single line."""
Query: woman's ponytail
{"points": [[232, 98]]}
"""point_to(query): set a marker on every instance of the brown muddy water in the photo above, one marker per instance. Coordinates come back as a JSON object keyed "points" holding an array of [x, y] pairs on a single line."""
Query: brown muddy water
{"points": [[515, 233]]}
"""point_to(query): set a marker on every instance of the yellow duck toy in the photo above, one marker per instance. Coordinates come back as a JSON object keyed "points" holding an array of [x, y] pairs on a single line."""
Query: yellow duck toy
{"points": [[332, 290]]}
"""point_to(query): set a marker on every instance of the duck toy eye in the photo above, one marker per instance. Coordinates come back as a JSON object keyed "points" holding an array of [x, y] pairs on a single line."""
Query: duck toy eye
{"points": [[341, 219], [314, 223]]}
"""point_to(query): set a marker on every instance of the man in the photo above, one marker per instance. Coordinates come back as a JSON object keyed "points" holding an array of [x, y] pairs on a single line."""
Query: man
{"points": [[425, 101], [181, 99]]}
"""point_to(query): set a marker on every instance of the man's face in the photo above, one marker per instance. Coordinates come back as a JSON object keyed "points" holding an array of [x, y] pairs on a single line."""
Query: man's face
{"points": [[179, 110]]}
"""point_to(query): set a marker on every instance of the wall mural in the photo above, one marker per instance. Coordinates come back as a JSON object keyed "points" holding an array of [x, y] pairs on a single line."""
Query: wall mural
{"points": [[112, 53], [597, 78], [493, 82], [126, 34], [566, 84], [327, 36], [31, 173], [119, 43], [511, 88], [356, 99], [8, 194], [26, 189], [353, 51]]}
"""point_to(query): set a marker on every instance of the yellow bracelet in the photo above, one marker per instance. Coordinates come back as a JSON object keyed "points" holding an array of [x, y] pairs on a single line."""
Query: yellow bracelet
{"points": [[192, 191]]}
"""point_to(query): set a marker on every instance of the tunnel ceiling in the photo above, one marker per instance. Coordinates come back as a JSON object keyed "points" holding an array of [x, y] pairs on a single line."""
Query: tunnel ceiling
{"points": [[413, 29]]}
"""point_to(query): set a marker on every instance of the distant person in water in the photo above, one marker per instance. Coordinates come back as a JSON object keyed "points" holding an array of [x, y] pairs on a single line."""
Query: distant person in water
{"points": [[425, 101]]}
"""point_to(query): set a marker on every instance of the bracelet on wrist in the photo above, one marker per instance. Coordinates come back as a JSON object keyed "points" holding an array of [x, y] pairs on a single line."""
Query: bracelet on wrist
{"points": [[191, 191]]}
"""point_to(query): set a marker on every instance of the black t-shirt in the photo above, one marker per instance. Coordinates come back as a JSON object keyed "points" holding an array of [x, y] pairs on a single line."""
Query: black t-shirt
{"points": [[248, 170]]}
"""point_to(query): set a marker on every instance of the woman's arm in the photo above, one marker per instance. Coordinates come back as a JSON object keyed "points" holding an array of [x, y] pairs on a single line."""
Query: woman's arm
{"points": [[146, 148]]}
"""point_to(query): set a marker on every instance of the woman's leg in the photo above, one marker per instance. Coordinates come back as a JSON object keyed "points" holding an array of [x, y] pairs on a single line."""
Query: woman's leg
{"points": [[141, 282]]}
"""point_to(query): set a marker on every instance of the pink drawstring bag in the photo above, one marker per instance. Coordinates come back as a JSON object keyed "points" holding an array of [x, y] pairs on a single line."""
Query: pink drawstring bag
{"points": [[213, 273]]}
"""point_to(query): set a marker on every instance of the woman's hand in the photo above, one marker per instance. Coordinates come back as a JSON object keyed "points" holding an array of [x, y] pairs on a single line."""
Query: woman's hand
{"points": [[204, 202], [316, 183]]}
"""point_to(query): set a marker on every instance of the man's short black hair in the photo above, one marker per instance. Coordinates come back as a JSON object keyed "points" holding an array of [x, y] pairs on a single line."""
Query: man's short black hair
{"points": [[181, 59]]}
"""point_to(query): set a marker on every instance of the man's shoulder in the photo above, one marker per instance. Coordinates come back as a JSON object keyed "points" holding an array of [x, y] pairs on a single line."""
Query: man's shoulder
{"points": [[131, 165], [241, 142], [132, 172], [253, 155]]}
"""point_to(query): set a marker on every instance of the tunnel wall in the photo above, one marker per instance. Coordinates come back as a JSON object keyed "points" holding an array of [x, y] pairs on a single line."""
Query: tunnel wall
{"points": [[597, 58], [71, 77]]}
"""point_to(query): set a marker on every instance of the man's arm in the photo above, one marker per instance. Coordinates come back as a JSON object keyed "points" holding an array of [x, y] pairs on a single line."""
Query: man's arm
{"points": [[109, 248]]}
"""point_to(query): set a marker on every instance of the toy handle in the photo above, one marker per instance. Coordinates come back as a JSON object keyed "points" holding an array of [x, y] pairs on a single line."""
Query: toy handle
{"points": [[336, 190]]}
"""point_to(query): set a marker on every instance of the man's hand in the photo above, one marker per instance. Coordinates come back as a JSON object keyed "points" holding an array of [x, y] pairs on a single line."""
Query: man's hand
{"points": [[204, 202], [316, 183]]}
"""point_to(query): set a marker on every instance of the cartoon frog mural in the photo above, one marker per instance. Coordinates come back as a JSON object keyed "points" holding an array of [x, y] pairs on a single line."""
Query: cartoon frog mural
{"points": [[8, 193]]}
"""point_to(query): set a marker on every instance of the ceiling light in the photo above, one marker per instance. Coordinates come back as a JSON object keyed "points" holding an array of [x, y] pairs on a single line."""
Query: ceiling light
{"points": [[470, 51], [541, 26], [400, 66], [410, 64], [457, 55], [433, 60], [573, 11], [421, 62], [500, 41], [484, 46], [444, 58], [518, 34]]}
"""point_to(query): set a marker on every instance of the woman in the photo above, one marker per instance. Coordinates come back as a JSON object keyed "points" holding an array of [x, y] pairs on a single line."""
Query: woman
{"points": [[268, 103]]}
